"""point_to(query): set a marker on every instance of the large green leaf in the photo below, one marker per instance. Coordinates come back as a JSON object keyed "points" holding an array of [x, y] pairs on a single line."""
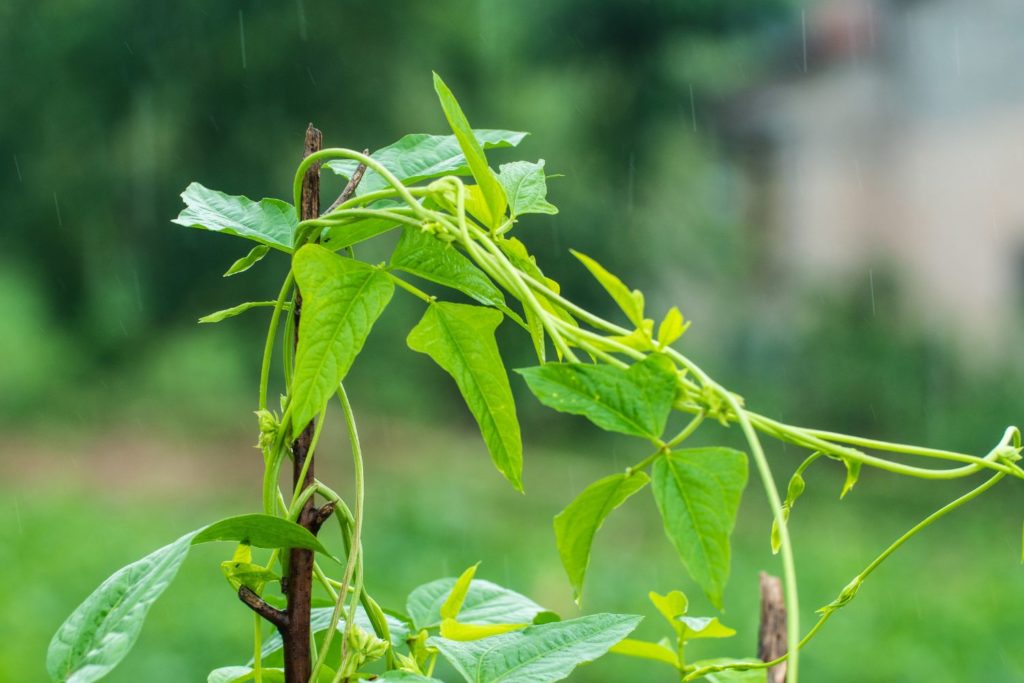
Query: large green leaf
{"points": [[698, 494], [636, 400], [460, 338], [103, 629], [576, 525], [341, 299], [484, 603], [538, 654], [338, 237], [406, 677], [526, 187], [490, 188], [320, 621], [262, 531], [425, 256], [268, 221], [419, 157]]}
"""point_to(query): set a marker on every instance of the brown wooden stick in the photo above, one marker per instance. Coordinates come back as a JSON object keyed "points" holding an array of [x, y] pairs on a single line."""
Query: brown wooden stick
{"points": [[257, 605], [350, 187], [771, 636], [299, 584]]}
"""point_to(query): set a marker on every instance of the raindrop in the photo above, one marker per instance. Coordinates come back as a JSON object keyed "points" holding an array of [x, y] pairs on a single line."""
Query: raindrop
{"points": [[310, 72], [300, 7], [17, 167], [871, 284], [693, 109], [56, 204], [803, 28]]}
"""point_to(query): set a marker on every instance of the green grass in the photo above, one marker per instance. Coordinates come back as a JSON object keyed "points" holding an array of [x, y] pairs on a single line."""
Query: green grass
{"points": [[945, 608]]}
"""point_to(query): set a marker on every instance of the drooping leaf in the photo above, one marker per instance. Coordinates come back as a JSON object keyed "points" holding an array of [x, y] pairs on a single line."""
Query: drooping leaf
{"points": [[460, 338], [418, 157], [341, 300], [425, 256], [103, 629], [243, 264], [241, 674], [576, 525], [453, 603], [525, 187], [646, 650], [269, 221], [490, 188], [635, 401], [262, 531], [698, 494], [320, 621], [852, 475], [539, 654], [485, 603], [337, 237], [217, 316], [631, 302]]}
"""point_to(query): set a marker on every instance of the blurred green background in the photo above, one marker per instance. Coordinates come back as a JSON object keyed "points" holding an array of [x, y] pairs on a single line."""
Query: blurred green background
{"points": [[125, 424]]}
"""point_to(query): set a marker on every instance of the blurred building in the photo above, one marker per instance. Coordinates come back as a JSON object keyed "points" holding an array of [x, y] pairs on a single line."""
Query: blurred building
{"points": [[892, 135]]}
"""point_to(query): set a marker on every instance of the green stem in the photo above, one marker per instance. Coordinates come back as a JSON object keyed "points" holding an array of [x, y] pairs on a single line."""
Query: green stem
{"points": [[268, 348]]}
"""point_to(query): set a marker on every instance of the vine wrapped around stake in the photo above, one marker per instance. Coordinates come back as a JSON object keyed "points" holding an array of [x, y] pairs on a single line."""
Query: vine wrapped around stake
{"points": [[626, 378]]}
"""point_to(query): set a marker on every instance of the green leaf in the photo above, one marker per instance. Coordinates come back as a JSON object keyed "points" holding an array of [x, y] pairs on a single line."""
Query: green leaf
{"points": [[634, 401], [269, 221], [538, 654], [103, 629], [262, 531], [672, 605], [493, 194], [320, 621], [453, 603], [341, 300], [526, 187], [406, 677], [337, 237], [695, 628], [241, 674], [485, 603], [425, 256], [698, 494], [733, 675], [418, 157], [246, 262], [217, 316], [631, 302], [460, 338], [672, 327], [646, 650], [576, 525], [852, 475]]}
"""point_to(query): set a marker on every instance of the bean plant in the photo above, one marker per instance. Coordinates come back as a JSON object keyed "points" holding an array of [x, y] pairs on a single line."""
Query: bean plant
{"points": [[454, 216]]}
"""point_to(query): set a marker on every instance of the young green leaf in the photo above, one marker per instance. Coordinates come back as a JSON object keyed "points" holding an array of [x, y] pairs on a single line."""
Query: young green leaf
{"points": [[460, 338], [103, 629], [320, 621], [485, 603], [217, 316], [539, 654], [525, 187], [243, 264], [852, 475], [672, 327], [490, 188], [453, 603], [672, 605], [634, 401], [425, 256], [455, 630], [269, 221], [262, 531], [698, 494], [576, 525], [646, 650], [631, 302], [419, 157], [341, 300], [704, 627]]}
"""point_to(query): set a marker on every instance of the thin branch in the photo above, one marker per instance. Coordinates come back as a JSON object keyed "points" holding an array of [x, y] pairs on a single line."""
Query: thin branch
{"points": [[262, 608], [350, 187], [322, 515]]}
